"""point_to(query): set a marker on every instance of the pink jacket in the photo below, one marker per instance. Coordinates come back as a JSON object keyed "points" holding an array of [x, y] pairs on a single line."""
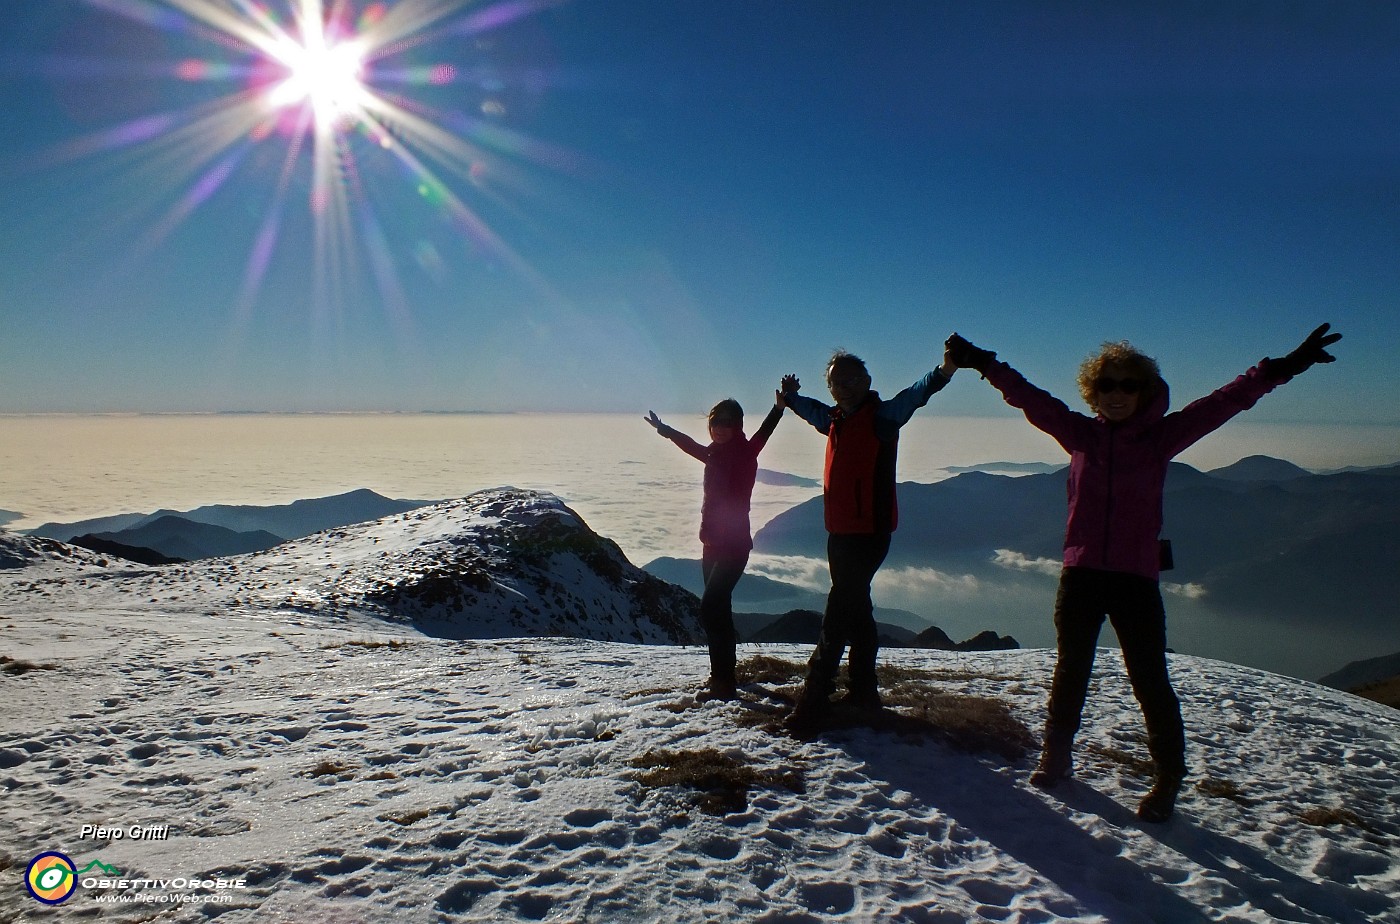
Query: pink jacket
{"points": [[1117, 471]]}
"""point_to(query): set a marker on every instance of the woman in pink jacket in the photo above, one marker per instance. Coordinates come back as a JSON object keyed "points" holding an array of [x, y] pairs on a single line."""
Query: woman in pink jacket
{"points": [[731, 467], [1112, 554]]}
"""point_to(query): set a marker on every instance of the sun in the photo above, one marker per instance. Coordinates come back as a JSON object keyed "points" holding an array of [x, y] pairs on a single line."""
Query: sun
{"points": [[325, 75]]}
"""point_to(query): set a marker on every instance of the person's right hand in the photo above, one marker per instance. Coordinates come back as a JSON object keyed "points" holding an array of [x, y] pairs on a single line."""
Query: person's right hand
{"points": [[652, 419]]}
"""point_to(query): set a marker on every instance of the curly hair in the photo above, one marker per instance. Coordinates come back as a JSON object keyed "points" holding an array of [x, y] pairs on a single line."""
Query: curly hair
{"points": [[1127, 357]]}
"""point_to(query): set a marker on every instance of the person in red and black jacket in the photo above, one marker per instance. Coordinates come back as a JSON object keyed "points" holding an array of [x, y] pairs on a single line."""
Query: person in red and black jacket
{"points": [[861, 514], [731, 467]]}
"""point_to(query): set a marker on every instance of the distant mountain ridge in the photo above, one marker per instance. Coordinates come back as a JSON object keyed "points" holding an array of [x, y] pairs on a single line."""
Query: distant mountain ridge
{"points": [[188, 540], [224, 529]]}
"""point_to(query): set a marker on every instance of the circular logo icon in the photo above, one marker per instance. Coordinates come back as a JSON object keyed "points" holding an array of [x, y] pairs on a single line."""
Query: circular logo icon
{"points": [[51, 878]]}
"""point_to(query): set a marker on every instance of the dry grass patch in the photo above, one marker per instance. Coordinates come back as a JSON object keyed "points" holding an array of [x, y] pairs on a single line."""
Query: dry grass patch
{"points": [[404, 819], [392, 644], [768, 669], [970, 723], [1328, 816], [15, 667], [329, 768], [1222, 789], [721, 781], [1138, 766]]}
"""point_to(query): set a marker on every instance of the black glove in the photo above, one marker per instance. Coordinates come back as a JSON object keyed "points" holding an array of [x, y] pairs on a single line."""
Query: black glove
{"points": [[966, 356], [1312, 350]]}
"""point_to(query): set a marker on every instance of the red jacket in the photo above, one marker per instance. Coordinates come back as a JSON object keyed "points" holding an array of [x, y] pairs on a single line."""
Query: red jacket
{"points": [[859, 475], [858, 484], [1117, 471]]}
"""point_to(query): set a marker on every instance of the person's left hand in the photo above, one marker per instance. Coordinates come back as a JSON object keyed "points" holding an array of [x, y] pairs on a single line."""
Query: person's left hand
{"points": [[652, 419], [1312, 350]]}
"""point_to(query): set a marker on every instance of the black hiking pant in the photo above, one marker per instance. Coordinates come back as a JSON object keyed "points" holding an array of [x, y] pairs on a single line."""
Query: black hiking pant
{"points": [[850, 616], [1133, 604], [722, 570]]}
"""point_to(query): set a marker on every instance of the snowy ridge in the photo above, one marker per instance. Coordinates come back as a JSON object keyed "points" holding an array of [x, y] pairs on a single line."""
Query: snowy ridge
{"points": [[498, 563], [18, 551]]}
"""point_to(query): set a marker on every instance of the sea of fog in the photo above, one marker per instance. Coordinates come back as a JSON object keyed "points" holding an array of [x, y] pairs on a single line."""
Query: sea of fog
{"points": [[628, 483]]}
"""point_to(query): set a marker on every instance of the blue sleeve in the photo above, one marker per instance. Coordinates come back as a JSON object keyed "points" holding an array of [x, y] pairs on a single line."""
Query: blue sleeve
{"points": [[902, 406], [812, 411]]}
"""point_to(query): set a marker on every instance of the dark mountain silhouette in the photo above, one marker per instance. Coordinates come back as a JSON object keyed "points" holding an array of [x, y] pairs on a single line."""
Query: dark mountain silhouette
{"points": [[1260, 468], [1359, 674], [983, 641], [803, 627], [177, 537], [287, 521], [138, 554]]}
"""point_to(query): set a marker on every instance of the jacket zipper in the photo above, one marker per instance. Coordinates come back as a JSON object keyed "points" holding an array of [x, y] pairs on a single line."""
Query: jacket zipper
{"points": [[1108, 501]]}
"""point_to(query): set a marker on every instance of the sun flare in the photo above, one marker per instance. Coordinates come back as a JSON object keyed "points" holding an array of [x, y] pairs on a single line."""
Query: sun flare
{"points": [[325, 76]]}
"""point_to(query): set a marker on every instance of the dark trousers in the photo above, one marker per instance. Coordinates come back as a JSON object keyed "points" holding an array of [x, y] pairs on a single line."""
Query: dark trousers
{"points": [[850, 615], [1133, 604], [722, 570]]}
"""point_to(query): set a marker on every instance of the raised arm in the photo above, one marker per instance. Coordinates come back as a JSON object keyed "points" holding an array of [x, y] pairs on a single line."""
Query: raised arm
{"points": [[686, 444], [809, 409], [770, 423], [1043, 410], [1205, 415]]}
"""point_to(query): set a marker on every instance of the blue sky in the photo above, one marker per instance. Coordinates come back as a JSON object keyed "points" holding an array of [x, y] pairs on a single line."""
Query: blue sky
{"points": [[661, 203]]}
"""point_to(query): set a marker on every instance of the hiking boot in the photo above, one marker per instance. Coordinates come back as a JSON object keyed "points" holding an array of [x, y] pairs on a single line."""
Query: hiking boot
{"points": [[1158, 804], [724, 689], [1055, 764], [865, 700], [807, 717]]}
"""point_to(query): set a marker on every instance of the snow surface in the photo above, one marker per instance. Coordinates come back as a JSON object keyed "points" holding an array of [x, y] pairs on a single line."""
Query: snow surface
{"points": [[350, 768]]}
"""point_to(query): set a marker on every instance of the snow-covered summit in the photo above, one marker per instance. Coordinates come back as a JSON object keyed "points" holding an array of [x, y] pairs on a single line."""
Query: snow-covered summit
{"points": [[498, 563]]}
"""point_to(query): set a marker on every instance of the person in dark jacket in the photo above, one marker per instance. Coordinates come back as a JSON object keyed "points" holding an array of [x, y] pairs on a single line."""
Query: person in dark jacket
{"points": [[731, 467], [1112, 553], [861, 514]]}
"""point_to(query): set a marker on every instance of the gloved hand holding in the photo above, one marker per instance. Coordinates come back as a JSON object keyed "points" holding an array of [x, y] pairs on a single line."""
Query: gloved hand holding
{"points": [[789, 386], [964, 355], [1312, 350]]}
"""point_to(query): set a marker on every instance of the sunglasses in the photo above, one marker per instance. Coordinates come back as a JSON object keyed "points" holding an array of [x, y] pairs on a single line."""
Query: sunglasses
{"points": [[1107, 386]]}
